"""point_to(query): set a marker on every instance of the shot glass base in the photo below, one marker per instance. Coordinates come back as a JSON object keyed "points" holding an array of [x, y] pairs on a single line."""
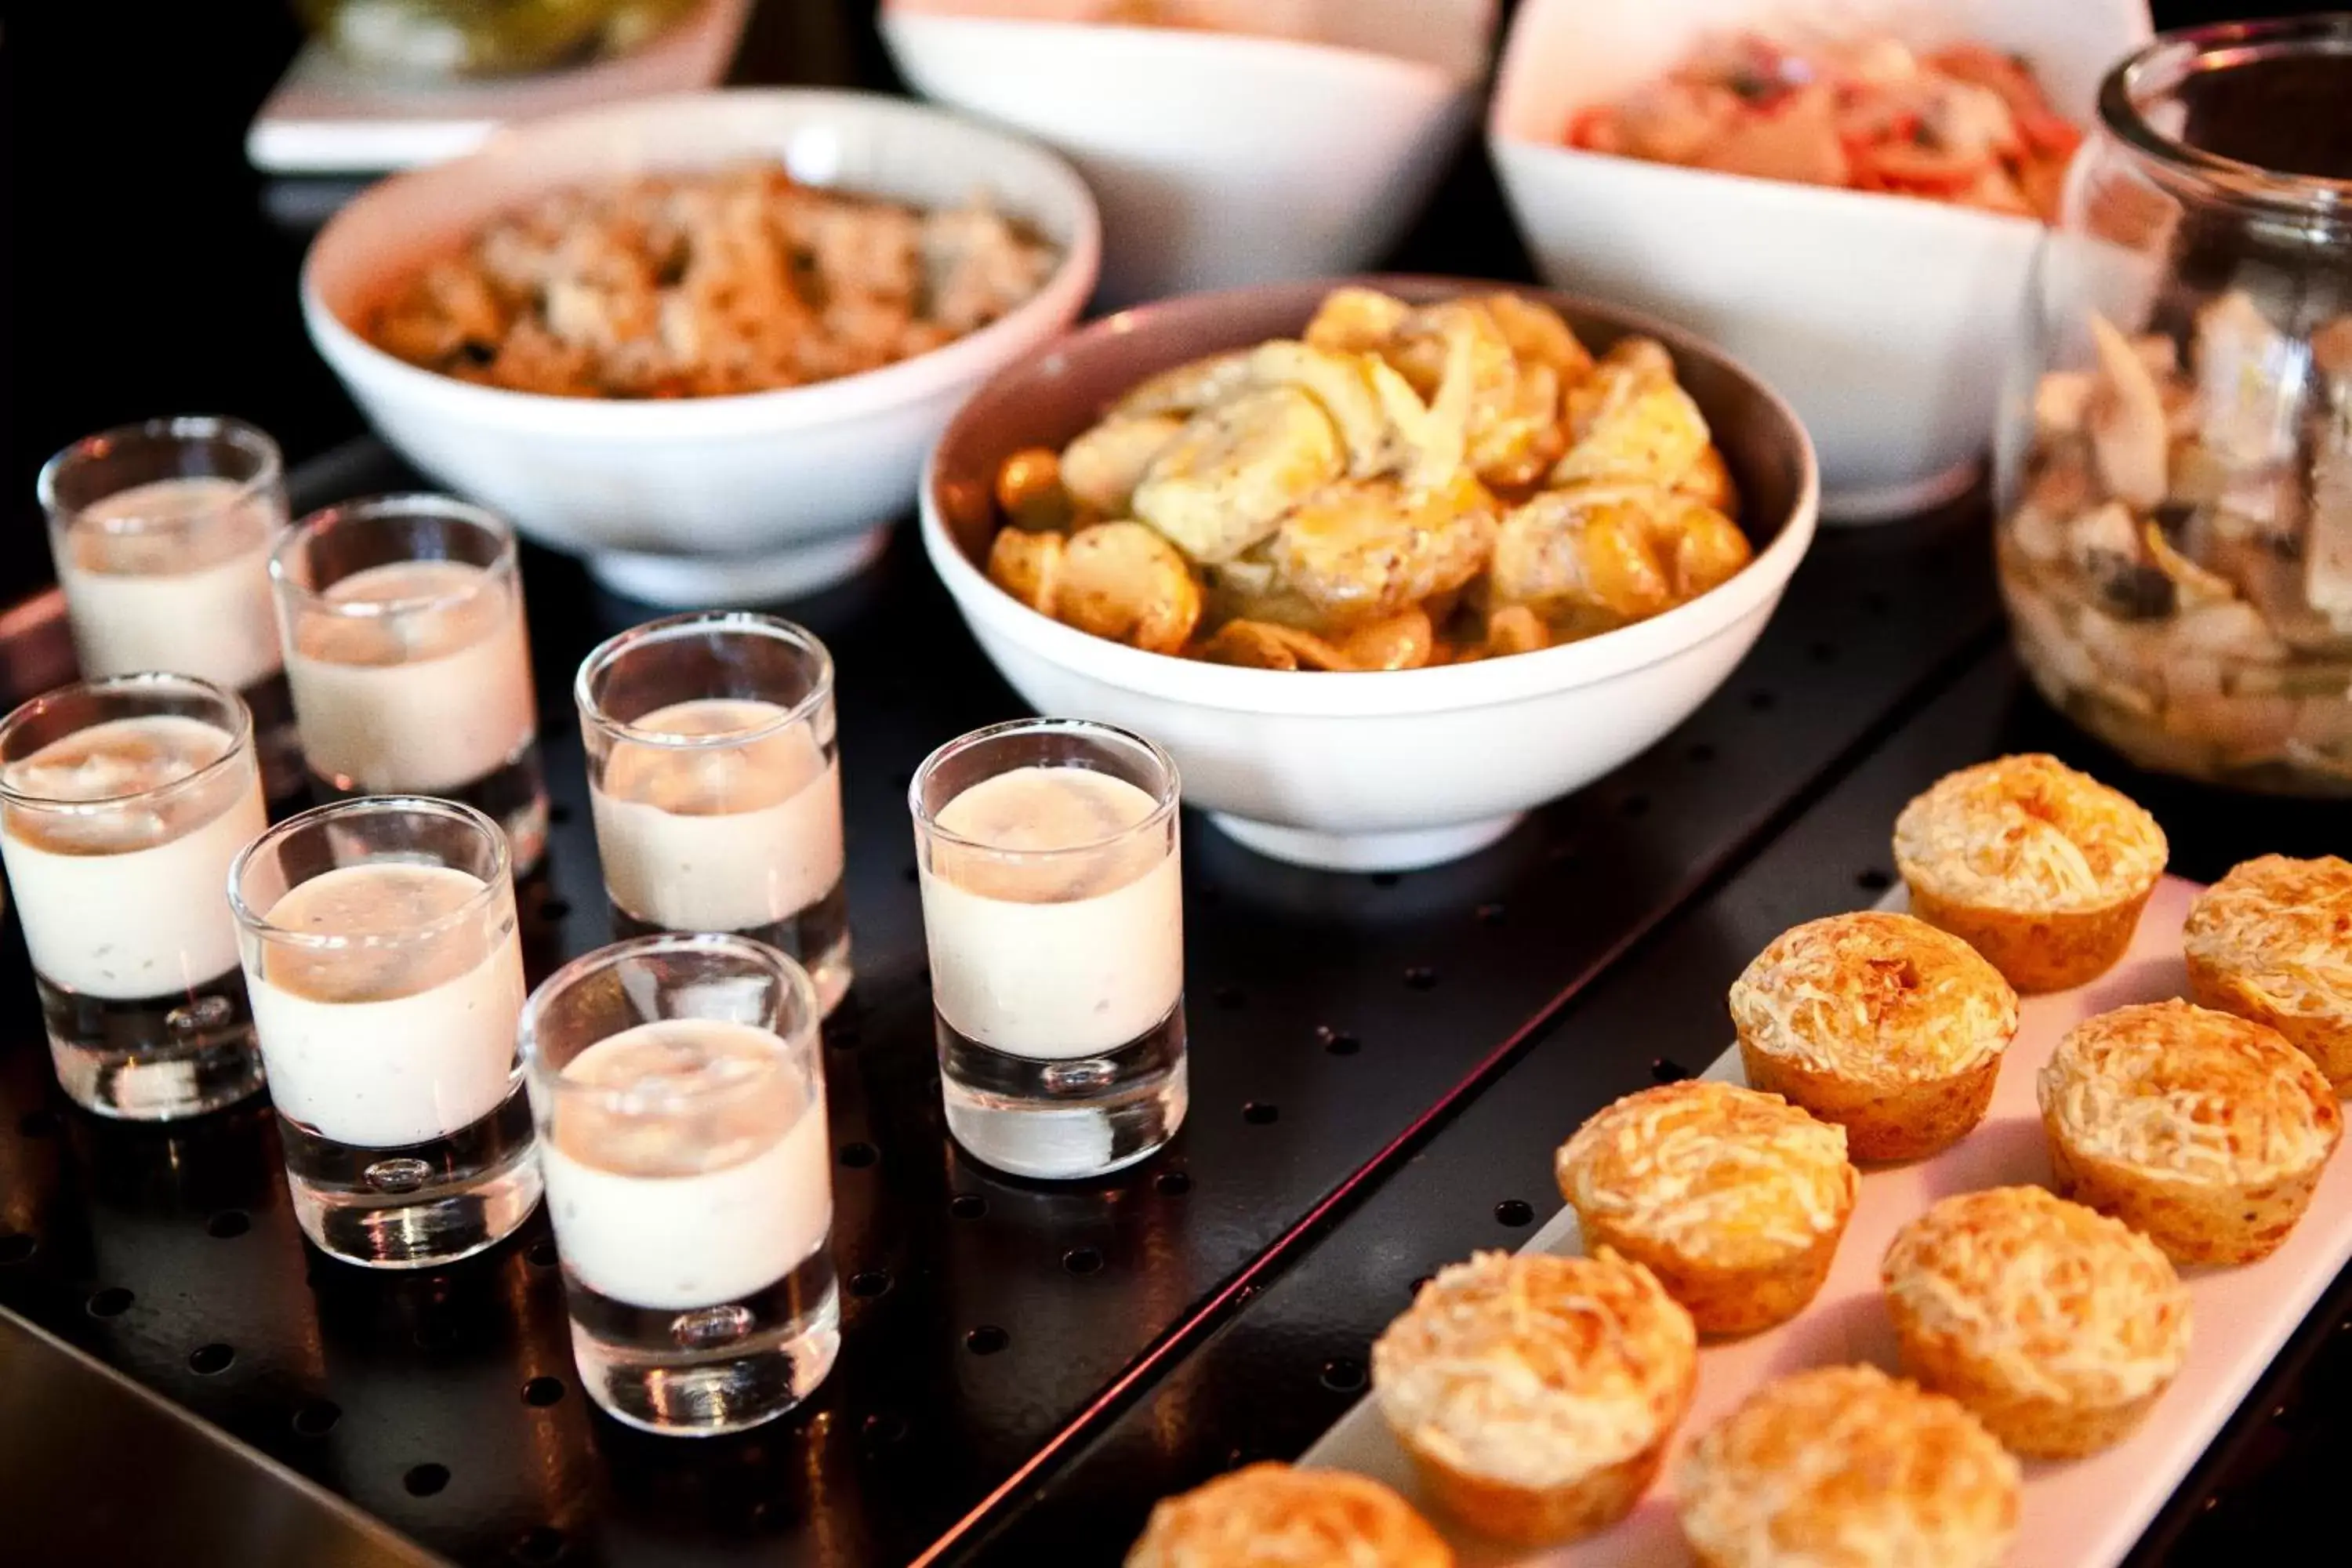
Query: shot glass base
{"points": [[157, 1059], [1066, 1118], [817, 938], [701, 1372], [513, 796], [420, 1205]]}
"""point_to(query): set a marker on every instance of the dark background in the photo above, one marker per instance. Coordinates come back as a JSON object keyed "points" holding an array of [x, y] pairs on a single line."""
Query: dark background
{"points": [[142, 274]]}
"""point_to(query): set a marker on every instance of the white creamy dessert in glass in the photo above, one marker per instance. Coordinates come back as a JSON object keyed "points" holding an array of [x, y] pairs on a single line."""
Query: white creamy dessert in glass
{"points": [[707, 1204], [1053, 909], [681, 1112], [123, 803], [412, 671], [1073, 952], [383, 1046], [382, 955], [716, 787], [162, 535]]}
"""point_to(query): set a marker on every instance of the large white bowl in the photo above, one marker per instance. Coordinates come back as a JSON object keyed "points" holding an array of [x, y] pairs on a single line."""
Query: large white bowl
{"points": [[697, 500], [1221, 158], [1378, 771], [1887, 323]]}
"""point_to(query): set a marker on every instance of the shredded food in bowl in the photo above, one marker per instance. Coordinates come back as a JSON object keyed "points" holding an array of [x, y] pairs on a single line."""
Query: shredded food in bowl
{"points": [[1964, 124], [703, 285]]}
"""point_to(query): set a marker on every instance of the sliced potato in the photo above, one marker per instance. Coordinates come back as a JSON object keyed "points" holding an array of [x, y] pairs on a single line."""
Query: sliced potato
{"points": [[1514, 628], [1629, 551], [1355, 320], [1402, 641], [1185, 388], [1365, 549], [1101, 469], [1229, 476], [1260, 645], [1028, 565], [1122, 580], [1627, 426], [1029, 490], [1343, 385], [1709, 481], [1538, 335]]}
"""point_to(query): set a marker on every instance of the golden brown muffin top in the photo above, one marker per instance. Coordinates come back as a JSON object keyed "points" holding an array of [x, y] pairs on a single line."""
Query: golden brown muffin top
{"points": [[2283, 928], [1874, 997], [1718, 1174], [1843, 1467], [2028, 834], [2059, 1299], [2182, 1093], [1273, 1516], [1534, 1371]]}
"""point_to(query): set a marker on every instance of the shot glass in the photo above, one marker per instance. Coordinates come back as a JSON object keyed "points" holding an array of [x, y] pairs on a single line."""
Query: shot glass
{"points": [[680, 1104], [1053, 906], [402, 623], [162, 534], [381, 958], [122, 803], [716, 786]]}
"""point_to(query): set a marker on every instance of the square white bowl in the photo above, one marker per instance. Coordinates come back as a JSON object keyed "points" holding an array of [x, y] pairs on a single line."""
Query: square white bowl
{"points": [[1887, 323], [1302, 147]]}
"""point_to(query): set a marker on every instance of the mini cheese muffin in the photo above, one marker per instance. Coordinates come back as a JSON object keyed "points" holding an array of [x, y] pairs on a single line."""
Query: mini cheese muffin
{"points": [[2058, 1326], [2203, 1131], [2041, 869], [1734, 1199], [1880, 1022], [1843, 1467], [1535, 1394], [2272, 941], [1272, 1516]]}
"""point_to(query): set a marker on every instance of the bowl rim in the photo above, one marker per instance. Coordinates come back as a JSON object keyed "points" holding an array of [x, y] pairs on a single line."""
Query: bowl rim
{"points": [[647, 420], [1362, 693], [1516, 56], [1135, 35]]}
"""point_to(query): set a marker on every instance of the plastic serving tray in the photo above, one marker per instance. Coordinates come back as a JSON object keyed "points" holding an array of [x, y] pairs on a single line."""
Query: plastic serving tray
{"points": [[2080, 1513]]}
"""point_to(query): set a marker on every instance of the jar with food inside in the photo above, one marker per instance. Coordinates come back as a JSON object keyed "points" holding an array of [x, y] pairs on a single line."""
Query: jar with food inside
{"points": [[2175, 545]]}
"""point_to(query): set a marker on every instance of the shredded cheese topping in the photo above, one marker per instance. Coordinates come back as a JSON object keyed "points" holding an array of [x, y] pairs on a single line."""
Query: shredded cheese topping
{"points": [[1712, 1172], [1874, 997], [1846, 1467], [2182, 1093], [2282, 929], [1272, 1516], [1536, 1370], [2030, 834], [2052, 1299]]}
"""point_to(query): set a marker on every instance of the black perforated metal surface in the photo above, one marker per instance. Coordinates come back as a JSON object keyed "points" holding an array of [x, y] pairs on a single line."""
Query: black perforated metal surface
{"points": [[1268, 1382], [985, 1317]]}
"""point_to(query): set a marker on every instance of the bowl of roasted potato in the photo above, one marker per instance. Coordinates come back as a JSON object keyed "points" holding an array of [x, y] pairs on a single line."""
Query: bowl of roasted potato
{"points": [[1383, 561]]}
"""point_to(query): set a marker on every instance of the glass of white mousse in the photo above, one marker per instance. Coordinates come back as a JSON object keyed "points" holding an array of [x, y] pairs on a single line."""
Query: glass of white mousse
{"points": [[122, 801], [1053, 906], [682, 1129], [162, 534], [410, 665], [381, 954], [716, 786]]}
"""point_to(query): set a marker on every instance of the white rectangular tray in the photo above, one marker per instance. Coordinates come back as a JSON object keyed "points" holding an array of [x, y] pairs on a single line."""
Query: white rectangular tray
{"points": [[2083, 1513]]}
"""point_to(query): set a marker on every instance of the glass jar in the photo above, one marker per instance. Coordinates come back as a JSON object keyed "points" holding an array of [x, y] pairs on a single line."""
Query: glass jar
{"points": [[2175, 542]]}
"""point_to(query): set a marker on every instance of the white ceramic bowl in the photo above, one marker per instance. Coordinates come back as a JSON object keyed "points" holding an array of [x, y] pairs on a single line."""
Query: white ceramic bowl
{"points": [[1221, 158], [697, 500], [1379, 771], [1886, 322]]}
